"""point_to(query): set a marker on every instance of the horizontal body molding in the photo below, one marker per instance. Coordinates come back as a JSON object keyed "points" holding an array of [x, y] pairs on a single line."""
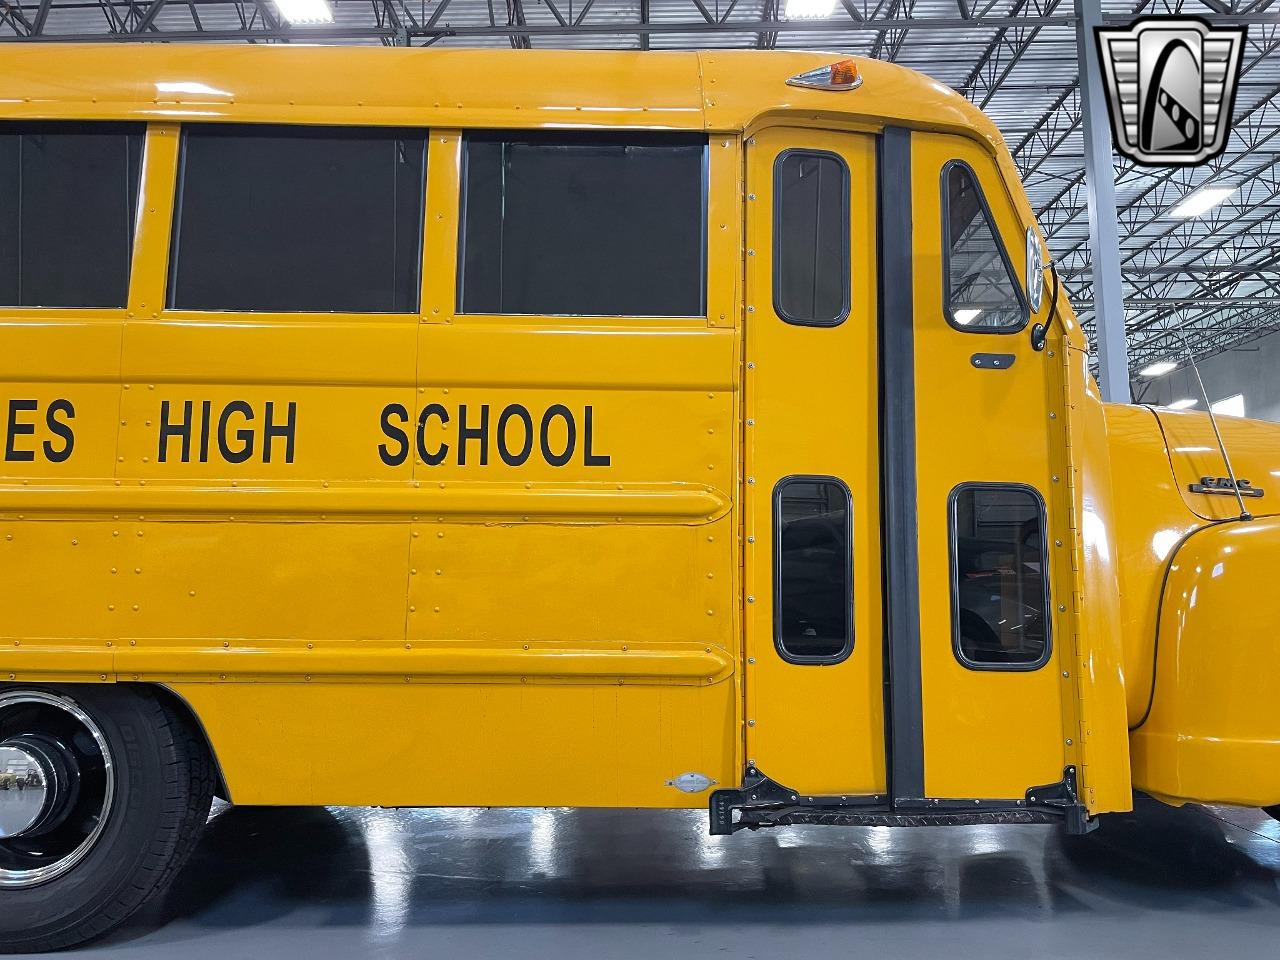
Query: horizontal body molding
{"points": [[526, 502], [165, 660]]}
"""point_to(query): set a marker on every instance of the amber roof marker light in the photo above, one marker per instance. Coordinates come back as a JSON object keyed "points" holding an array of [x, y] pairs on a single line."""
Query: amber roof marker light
{"points": [[841, 75]]}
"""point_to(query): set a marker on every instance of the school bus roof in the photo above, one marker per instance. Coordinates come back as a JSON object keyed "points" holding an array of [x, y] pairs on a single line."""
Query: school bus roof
{"points": [[719, 91]]}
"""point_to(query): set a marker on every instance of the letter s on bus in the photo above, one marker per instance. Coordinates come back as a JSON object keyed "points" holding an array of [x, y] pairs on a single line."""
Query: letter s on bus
{"points": [[394, 433], [61, 429]]}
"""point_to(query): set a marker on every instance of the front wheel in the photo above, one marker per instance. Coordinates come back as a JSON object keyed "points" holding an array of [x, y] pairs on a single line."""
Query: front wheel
{"points": [[108, 790]]}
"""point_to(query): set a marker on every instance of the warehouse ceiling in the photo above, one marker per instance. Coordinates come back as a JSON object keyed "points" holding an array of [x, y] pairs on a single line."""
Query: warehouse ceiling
{"points": [[1208, 283]]}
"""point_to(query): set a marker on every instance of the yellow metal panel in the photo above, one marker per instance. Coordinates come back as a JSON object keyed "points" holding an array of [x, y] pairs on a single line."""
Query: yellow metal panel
{"points": [[465, 744], [1095, 667], [470, 581], [1149, 521], [1212, 735], [812, 409], [986, 733], [439, 88], [149, 269], [1254, 449]]}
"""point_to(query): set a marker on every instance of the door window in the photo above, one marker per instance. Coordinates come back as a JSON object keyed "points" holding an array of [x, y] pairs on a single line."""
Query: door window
{"points": [[1000, 582], [981, 290], [811, 238], [813, 572]]}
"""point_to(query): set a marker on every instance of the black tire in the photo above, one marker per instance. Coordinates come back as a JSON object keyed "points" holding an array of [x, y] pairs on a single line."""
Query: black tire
{"points": [[163, 781], [1272, 812]]}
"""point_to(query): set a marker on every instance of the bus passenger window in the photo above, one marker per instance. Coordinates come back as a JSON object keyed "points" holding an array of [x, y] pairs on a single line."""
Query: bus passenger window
{"points": [[811, 238], [298, 219], [982, 293], [572, 224], [813, 570], [1000, 586], [67, 212]]}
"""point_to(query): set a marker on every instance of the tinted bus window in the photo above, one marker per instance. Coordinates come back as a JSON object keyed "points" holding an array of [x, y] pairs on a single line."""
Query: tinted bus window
{"points": [[323, 219], [584, 225], [70, 192], [811, 238], [813, 570], [982, 291], [999, 577]]}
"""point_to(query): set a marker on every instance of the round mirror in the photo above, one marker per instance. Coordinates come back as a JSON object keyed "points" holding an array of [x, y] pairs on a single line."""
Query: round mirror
{"points": [[1035, 270]]}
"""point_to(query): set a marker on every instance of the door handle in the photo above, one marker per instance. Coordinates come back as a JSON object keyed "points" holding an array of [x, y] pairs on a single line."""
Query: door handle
{"points": [[993, 361]]}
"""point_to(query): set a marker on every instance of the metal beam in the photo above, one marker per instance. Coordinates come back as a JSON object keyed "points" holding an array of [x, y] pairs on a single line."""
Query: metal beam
{"points": [[1104, 230]]}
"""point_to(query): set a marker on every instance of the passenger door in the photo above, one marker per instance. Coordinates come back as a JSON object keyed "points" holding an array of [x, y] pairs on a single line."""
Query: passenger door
{"points": [[814, 693], [990, 489]]}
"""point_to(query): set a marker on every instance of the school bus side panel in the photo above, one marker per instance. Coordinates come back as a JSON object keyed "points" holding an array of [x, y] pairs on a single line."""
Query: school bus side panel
{"points": [[367, 607]]}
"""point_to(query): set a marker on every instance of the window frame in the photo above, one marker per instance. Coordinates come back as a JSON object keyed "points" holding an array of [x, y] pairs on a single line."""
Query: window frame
{"points": [[846, 276], [953, 572], [173, 244], [570, 135], [1019, 292], [847, 649]]}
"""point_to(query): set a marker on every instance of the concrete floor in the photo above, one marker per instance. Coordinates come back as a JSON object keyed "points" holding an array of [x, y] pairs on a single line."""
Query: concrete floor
{"points": [[567, 884]]}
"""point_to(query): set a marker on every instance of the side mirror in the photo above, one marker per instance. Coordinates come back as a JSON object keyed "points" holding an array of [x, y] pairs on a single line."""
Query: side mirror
{"points": [[1035, 271]]}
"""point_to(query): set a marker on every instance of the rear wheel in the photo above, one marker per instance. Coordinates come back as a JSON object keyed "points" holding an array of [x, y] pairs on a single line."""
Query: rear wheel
{"points": [[1272, 812], [107, 789]]}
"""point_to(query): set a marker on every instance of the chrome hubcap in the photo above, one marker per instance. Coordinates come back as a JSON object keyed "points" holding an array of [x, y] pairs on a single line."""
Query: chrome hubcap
{"points": [[56, 786], [26, 789]]}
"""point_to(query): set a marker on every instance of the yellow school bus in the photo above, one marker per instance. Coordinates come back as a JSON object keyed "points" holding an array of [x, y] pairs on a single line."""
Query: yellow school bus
{"points": [[691, 430]]}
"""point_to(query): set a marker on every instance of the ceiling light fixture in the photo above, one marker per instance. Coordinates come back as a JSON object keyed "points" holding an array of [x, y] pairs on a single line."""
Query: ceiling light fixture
{"points": [[808, 9], [305, 11], [1201, 202], [1158, 369]]}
